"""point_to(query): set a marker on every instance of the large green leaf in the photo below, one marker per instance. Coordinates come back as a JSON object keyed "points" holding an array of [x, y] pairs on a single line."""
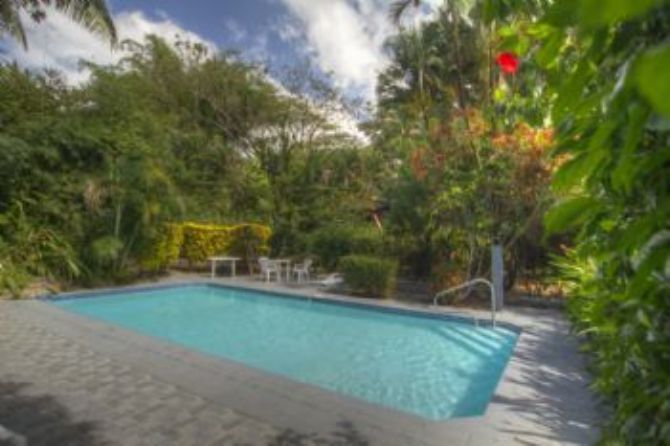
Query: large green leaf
{"points": [[625, 173], [652, 74], [571, 90], [574, 171], [606, 12], [548, 55], [570, 213]]}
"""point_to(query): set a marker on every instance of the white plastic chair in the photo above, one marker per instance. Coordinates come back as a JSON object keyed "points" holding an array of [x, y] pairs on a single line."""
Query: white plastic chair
{"points": [[268, 267], [302, 270]]}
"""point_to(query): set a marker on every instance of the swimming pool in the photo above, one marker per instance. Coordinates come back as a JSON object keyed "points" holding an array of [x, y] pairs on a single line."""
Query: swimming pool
{"points": [[432, 367]]}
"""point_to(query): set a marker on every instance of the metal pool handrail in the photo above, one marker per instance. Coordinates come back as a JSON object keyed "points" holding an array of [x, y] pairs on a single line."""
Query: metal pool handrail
{"points": [[468, 284]]}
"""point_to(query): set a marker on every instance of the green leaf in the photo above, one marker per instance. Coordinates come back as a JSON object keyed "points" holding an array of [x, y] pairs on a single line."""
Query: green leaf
{"points": [[570, 213], [490, 10], [643, 318], [515, 43], [508, 31], [652, 72], [540, 30], [636, 233], [573, 171], [548, 54], [595, 13], [572, 89], [625, 172], [500, 94], [653, 260], [562, 13]]}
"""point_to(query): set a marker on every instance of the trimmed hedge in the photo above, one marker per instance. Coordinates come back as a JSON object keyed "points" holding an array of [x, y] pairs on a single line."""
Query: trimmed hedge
{"points": [[370, 276], [245, 240], [331, 243], [195, 242], [204, 240]]}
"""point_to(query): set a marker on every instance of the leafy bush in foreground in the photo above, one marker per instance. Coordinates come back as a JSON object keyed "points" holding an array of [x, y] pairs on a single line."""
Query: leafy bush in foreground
{"points": [[608, 65]]}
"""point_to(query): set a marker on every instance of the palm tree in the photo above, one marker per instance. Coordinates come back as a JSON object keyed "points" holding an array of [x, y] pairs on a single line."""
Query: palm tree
{"points": [[455, 11], [92, 14], [399, 7]]}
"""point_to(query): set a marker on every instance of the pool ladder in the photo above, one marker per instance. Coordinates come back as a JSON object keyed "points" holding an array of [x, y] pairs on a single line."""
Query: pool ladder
{"points": [[468, 284]]}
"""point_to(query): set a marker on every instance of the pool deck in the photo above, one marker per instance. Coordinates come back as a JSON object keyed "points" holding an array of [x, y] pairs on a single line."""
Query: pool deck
{"points": [[66, 379]]}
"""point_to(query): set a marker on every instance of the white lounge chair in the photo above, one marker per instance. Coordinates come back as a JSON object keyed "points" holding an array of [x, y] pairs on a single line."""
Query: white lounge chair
{"points": [[268, 267], [302, 270], [332, 280]]}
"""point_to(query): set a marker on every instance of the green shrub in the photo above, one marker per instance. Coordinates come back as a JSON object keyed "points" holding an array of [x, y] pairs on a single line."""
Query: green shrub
{"points": [[370, 276], [165, 249], [331, 243], [106, 250], [12, 279]]}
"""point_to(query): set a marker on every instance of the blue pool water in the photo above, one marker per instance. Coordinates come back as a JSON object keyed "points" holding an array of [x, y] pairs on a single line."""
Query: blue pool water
{"points": [[433, 368]]}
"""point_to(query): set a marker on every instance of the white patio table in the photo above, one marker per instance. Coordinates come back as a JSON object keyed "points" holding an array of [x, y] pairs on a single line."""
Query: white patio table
{"points": [[284, 264], [224, 259]]}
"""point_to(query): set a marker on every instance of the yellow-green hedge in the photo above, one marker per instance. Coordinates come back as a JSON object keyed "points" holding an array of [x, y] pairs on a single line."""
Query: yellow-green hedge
{"points": [[195, 242], [166, 248], [204, 240]]}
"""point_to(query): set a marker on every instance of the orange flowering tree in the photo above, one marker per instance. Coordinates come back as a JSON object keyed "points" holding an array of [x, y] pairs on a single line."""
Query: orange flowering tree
{"points": [[472, 151], [484, 186]]}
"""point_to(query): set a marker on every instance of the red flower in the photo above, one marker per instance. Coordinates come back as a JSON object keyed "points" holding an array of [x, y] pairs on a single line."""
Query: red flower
{"points": [[508, 62]]}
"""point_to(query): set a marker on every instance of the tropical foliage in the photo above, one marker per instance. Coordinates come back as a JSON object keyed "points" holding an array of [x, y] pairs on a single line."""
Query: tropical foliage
{"points": [[333, 241], [90, 175], [606, 64], [540, 125], [471, 159]]}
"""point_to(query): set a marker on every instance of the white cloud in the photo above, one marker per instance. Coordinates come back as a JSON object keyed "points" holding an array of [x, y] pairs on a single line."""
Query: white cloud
{"points": [[257, 48], [234, 31], [346, 37], [135, 25], [289, 28], [59, 43], [342, 41]]}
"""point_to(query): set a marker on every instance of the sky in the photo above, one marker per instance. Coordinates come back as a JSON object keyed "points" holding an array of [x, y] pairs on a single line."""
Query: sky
{"points": [[342, 37]]}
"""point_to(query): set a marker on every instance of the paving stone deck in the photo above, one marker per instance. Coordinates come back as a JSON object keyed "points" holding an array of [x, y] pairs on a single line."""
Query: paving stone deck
{"points": [[56, 392], [65, 380]]}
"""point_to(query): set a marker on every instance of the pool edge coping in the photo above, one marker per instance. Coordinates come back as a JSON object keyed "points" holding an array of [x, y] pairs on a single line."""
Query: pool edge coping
{"points": [[474, 428], [385, 305]]}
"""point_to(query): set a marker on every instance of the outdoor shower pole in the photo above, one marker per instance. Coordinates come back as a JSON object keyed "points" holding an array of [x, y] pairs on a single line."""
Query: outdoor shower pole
{"points": [[497, 273]]}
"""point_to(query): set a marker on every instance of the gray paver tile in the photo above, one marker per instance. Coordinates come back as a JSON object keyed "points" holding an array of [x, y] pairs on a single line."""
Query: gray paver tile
{"points": [[136, 408], [114, 398]]}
